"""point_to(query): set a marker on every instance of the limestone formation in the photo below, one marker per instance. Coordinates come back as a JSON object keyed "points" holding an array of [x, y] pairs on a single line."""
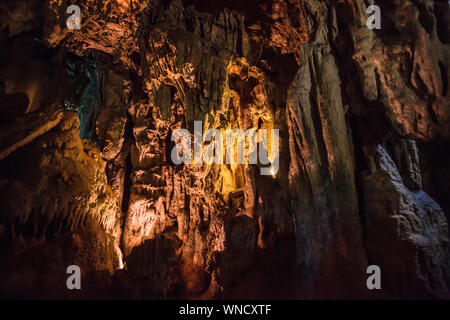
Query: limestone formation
{"points": [[87, 178]]}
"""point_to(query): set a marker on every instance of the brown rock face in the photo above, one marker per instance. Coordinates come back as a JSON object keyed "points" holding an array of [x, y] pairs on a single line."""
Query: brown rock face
{"points": [[87, 175]]}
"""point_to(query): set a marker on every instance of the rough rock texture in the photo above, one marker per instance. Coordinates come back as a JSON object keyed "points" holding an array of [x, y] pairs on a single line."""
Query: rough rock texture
{"points": [[364, 121]]}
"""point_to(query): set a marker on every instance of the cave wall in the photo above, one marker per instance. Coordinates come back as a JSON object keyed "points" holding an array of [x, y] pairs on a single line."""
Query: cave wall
{"points": [[86, 175]]}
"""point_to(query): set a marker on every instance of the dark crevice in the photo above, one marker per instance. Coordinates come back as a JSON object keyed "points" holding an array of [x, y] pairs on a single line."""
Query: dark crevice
{"points": [[444, 76], [84, 92], [442, 13], [129, 141], [426, 17]]}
